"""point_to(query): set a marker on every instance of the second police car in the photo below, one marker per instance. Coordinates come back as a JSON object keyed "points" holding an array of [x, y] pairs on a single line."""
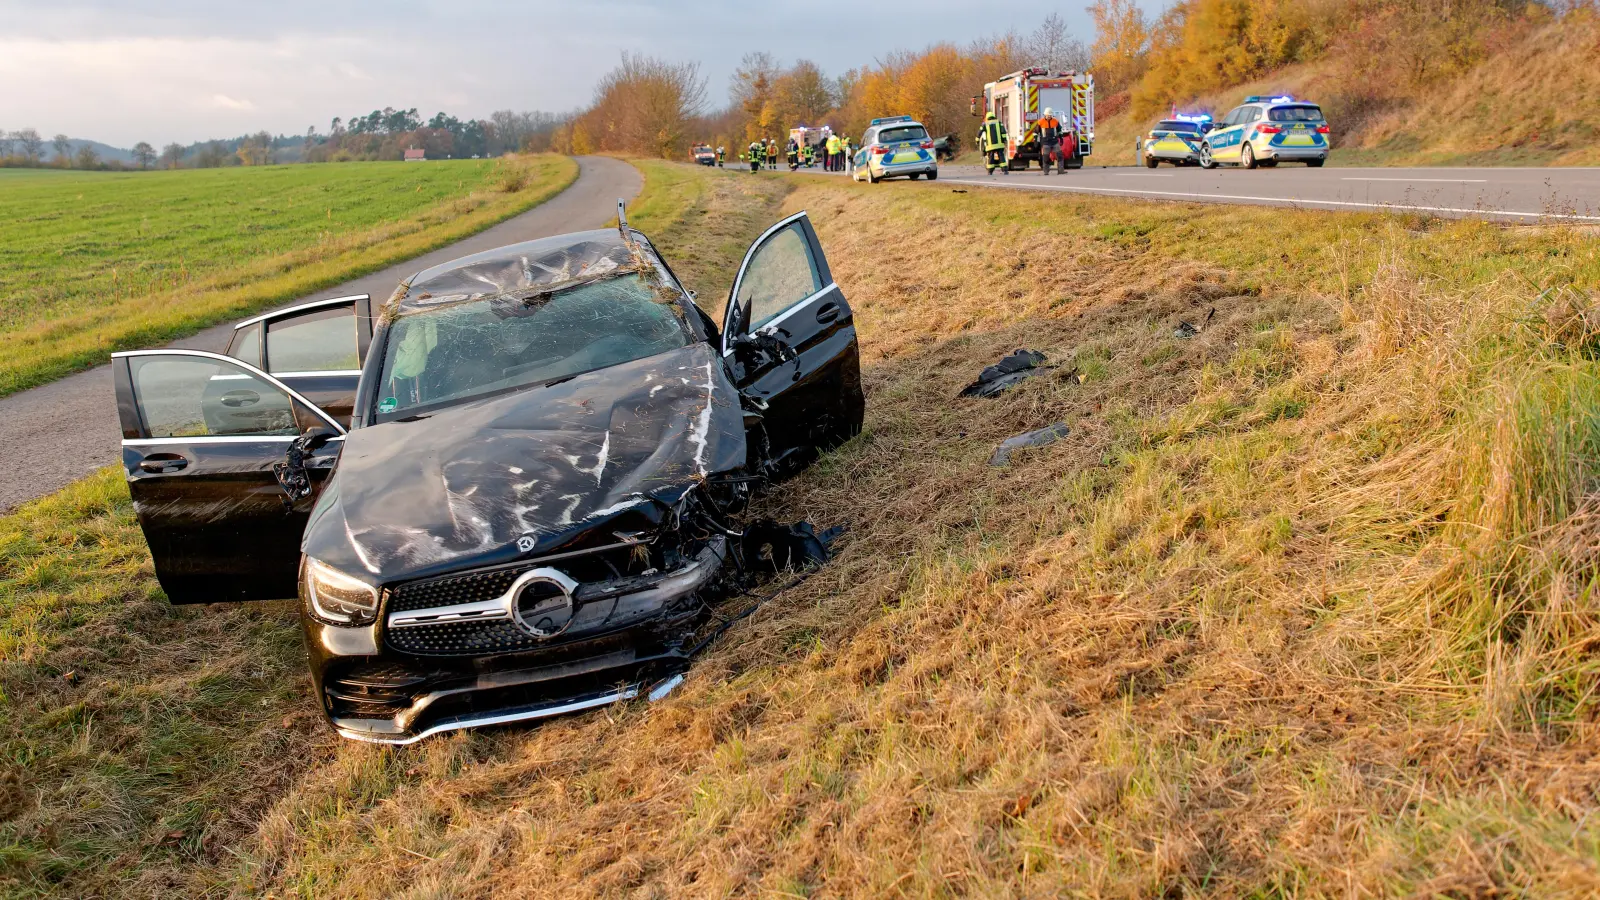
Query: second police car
{"points": [[1266, 131], [895, 147], [1175, 140]]}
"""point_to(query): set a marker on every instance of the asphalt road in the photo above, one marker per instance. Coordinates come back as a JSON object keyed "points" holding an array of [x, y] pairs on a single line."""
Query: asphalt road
{"points": [[1552, 195], [68, 428]]}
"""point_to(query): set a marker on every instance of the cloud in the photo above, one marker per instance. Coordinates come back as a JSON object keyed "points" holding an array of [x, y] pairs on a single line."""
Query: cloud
{"points": [[223, 101]]}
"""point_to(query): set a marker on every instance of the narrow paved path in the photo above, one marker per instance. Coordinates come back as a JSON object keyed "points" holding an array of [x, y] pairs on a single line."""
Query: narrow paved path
{"points": [[68, 428]]}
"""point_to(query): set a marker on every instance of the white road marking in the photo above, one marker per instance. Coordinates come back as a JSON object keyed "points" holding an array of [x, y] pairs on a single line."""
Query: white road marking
{"points": [[1141, 175], [1445, 180], [1178, 195]]}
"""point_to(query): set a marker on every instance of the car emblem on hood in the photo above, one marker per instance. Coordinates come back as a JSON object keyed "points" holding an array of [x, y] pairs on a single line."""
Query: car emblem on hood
{"points": [[525, 543]]}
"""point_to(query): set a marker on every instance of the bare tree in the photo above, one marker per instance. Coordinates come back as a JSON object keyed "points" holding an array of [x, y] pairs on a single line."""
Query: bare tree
{"points": [[8, 142], [144, 154], [171, 156], [63, 147], [87, 158], [31, 145], [1051, 45]]}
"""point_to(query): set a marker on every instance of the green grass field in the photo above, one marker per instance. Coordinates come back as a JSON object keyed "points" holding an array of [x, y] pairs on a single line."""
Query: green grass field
{"points": [[1302, 606], [92, 262]]}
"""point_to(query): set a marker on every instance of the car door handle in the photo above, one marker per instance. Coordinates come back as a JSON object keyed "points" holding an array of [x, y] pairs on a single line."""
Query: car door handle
{"points": [[163, 463], [828, 313]]}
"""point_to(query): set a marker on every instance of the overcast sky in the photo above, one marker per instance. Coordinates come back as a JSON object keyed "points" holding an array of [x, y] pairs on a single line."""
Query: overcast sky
{"points": [[187, 70]]}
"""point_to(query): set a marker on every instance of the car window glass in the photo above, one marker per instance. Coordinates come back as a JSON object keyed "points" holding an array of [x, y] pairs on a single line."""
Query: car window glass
{"points": [[1180, 127], [465, 350], [195, 396], [1255, 114], [319, 341], [781, 275], [246, 345], [902, 133], [1236, 117], [1296, 114]]}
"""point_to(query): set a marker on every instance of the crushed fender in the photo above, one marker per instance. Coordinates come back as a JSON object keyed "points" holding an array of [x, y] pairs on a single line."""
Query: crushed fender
{"points": [[1040, 438], [1007, 373]]}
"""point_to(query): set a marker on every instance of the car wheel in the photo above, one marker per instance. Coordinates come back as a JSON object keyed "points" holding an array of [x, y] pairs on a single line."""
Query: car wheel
{"points": [[915, 175], [1314, 163], [1207, 161], [1247, 156], [871, 178], [1268, 164], [933, 176], [1150, 162]]}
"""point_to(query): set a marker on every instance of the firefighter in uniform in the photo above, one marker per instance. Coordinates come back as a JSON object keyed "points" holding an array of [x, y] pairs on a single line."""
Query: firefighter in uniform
{"points": [[772, 153], [792, 154], [1050, 142], [756, 152], [722, 154], [808, 154], [993, 141]]}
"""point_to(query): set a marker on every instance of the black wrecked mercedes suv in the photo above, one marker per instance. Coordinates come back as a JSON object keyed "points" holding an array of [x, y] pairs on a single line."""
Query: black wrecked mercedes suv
{"points": [[512, 490]]}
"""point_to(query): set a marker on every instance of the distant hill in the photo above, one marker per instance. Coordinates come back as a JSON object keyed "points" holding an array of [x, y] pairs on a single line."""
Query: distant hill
{"points": [[106, 152]]}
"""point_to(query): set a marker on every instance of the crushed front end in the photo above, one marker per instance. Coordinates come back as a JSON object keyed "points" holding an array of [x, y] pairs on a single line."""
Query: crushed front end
{"points": [[610, 616]]}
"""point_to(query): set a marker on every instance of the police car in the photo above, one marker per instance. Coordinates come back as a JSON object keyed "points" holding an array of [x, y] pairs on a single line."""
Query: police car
{"points": [[1176, 140], [895, 147], [1266, 131]]}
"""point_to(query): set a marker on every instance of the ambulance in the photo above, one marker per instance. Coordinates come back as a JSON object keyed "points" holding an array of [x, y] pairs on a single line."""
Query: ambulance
{"points": [[1019, 101]]}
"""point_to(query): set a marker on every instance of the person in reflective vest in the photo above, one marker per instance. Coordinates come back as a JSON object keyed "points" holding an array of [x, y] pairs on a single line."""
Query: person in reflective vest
{"points": [[792, 154], [808, 154], [1050, 142], [772, 153], [993, 138], [722, 154], [833, 153], [756, 152]]}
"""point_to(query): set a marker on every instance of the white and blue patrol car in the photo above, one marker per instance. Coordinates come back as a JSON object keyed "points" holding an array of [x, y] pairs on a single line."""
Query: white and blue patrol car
{"points": [[1266, 131], [895, 147], [1176, 140]]}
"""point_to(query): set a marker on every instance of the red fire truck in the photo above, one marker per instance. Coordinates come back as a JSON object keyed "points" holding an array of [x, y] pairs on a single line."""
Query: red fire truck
{"points": [[1020, 99]]}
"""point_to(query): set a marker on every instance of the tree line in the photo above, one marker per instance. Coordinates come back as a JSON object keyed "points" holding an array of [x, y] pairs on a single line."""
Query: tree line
{"points": [[384, 134], [1377, 52]]}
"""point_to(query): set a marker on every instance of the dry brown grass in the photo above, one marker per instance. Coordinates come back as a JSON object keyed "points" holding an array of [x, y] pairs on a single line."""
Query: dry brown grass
{"points": [[1301, 607]]}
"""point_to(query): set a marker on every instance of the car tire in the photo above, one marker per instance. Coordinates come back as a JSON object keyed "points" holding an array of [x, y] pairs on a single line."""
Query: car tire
{"points": [[1150, 162], [915, 175], [1315, 163], [1207, 161], [1268, 163], [1247, 156], [933, 176], [871, 178]]}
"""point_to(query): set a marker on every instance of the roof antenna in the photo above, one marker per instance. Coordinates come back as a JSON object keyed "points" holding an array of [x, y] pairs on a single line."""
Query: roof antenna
{"points": [[622, 217]]}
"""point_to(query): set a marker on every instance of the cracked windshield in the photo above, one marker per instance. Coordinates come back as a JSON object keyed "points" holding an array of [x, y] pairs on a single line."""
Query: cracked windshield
{"points": [[480, 347]]}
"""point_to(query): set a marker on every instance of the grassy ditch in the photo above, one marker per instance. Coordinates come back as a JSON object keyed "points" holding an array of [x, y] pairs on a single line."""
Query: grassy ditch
{"points": [[95, 262], [1301, 606]]}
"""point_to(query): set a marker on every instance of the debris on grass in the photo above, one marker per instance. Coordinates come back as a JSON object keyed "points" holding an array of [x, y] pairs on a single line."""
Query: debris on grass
{"points": [[1005, 374], [1042, 437], [1185, 330]]}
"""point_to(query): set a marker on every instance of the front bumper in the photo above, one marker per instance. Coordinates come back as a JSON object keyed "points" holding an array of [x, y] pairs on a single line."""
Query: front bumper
{"points": [[626, 639]]}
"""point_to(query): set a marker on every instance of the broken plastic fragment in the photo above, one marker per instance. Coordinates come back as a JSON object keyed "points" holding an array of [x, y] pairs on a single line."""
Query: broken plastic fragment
{"points": [[1185, 330], [797, 546], [1003, 375], [1040, 438]]}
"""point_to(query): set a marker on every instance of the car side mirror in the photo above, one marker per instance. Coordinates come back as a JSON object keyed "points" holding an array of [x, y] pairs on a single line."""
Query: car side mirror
{"points": [[291, 473], [315, 438]]}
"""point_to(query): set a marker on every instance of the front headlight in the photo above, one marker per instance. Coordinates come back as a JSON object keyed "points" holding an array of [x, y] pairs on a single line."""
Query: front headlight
{"points": [[337, 598]]}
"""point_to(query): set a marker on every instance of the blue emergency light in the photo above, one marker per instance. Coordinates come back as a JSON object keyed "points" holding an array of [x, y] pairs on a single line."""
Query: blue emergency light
{"points": [[1197, 118], [887, 120], [1262, 99]]}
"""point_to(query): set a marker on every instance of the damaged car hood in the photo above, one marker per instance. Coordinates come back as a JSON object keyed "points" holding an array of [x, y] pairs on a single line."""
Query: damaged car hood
{"points": [[523, 474]]}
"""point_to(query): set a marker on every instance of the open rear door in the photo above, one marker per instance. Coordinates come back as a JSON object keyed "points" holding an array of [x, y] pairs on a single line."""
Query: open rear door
{"points": [[810, 394], [201, 434]]}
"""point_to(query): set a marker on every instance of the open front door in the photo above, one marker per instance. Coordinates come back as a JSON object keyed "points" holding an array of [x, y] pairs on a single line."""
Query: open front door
{"points": [[200, 435], [810, 385]]}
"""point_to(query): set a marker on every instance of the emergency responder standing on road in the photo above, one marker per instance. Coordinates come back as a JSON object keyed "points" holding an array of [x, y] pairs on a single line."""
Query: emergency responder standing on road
{"points": [[792, 154], [993, 141], [772, 153], [833, 153], [1050, 142], [808, 154], [756, 152], [722, 154]]}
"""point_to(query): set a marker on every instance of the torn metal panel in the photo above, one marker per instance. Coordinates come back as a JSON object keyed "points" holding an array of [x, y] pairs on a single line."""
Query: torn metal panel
{"points": [[1040, 438], [1007, 373]]}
